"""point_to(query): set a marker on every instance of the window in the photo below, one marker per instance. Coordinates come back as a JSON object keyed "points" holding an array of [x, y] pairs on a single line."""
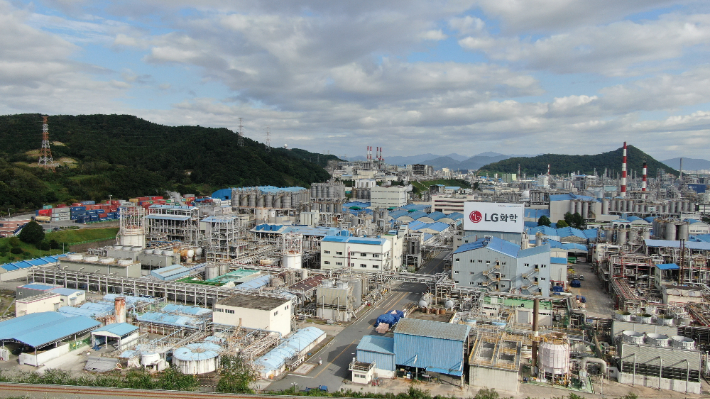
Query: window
{"points": [[375, 255], [542, 278], [480, 261], [471, 260], [375, 267], [536, 266], [363, 265], [527, 265], [480, 283], [326, 252], [363, 254], [457, 259], [488, 262], [327, 262], [456, 281], [276, 312], [338, 253], [473, 272], [352, 265], [543, 265], [339, 263], [456, 272]]}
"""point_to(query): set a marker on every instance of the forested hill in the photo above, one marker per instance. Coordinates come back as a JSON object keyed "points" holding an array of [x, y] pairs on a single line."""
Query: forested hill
{"points": [[126, 156], [565, 164]]}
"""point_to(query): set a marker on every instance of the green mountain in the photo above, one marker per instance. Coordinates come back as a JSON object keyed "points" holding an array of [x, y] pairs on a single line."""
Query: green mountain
{"points": [[125, 156], [565, 164]]}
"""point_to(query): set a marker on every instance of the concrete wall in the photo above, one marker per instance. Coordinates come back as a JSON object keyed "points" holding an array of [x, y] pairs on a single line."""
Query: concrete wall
{"points": [[493, 378], [42, 357], [665, 383]]}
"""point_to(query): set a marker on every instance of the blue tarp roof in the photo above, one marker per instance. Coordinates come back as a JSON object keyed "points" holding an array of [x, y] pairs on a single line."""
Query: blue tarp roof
{"points": [[65, 291], [703, 246], [355, 240], [188, 310], [120, 329], [255, 283], [288, 348], [375, 343], [40, 329], [668, 266]]}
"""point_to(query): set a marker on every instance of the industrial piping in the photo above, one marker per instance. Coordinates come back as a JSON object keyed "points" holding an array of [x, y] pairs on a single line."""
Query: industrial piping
{"points": [[623, 173]]}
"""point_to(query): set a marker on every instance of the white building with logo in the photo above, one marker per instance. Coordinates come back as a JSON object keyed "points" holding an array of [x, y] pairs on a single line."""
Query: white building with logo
{"points": [[492, 219], [365, 254]]}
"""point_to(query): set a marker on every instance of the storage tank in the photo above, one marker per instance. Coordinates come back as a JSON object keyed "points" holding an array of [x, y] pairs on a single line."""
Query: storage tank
{"points": [[75, 257], [286, 201], [149, 359], [426, 300], [681, 342], [585, 210], [554, 358], [119, 305], [197, 358], [646, 234], [252, 200], [211, 272], [621, 237], [683, 230], [449, 304], [605, 206], [633, 235], [632, 337], [657, 339], [261, 214], [327, 283], [106, 261], [292, 260], [670, 231], [223, 269]]}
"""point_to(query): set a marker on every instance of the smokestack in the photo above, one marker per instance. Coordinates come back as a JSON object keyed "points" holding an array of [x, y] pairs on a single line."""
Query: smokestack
{"points": [[120, 309], [643, 177], [623, 173], [536, 312], [680, 176], [548, 169]]}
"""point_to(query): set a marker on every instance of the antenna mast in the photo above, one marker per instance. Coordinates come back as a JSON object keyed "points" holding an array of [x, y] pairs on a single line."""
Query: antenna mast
{"points": [[240, 134], [268, 139], [45, 153]]}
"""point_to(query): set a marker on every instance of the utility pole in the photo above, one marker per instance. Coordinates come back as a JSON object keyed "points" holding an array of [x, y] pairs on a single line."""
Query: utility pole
{"points": [[268, 140], [240, 134], [45, 153]]}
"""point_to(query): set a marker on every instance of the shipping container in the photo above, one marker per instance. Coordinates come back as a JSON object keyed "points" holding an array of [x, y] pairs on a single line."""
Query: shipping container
{"points": [[134, 200], [46, 206], [88, 202], [62, 206], [43, 219], [78, 208]]}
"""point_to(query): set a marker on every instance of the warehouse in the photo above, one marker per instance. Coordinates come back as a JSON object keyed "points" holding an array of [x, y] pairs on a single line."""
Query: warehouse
{"points": [[431, 345], [119, 335], [47, 302], [379, 352], [253, 311], [289, 353], [32, 289], [46, 335], [70, 296]]}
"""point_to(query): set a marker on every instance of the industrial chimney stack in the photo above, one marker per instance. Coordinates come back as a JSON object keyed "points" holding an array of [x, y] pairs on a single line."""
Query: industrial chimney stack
{"points": [[623, 173], [644, 178]]}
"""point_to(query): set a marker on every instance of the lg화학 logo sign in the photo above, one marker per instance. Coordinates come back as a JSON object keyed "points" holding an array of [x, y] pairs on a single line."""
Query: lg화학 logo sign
{"points": [[476, 217]]}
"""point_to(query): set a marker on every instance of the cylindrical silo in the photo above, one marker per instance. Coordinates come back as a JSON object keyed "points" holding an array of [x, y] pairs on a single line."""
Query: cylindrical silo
{"points": [[585, 210], [605, 206], [197, 358], [633, 235], [286, 201], [670, 231], [621, 237], [313, 190], [211, 272], [554, 358], [268, 200], [683, 230], [260, 201], [252, 200]]}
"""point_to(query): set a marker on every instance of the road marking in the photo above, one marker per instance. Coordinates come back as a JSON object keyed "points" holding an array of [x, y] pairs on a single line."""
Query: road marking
{"points": [[331, 362]]}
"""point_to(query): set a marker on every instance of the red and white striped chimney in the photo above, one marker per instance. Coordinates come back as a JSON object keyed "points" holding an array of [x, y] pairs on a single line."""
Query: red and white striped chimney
{"points": [[643, 178], [548, 169], [623, 173]]}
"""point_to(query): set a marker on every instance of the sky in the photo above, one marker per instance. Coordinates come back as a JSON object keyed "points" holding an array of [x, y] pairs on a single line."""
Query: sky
{"points": [[410, 76]]}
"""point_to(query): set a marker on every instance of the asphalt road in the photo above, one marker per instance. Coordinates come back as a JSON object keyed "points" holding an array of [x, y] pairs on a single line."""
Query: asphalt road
{"points": [[340, 351], [435, 265]]}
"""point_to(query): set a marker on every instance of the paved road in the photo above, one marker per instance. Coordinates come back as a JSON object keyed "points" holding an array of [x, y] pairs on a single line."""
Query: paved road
{"points": [[435, 265], [599, 302], [340, 351]]}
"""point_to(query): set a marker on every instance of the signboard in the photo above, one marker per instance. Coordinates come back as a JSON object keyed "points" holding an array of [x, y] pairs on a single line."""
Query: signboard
{"points": [[491, 216]]}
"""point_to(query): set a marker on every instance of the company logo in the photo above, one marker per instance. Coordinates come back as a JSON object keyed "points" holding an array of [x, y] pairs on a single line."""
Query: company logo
{"points": [[475, 216]]}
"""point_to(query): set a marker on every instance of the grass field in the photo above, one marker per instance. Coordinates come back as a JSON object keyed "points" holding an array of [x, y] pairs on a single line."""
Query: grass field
{"points": [[66, 237]]}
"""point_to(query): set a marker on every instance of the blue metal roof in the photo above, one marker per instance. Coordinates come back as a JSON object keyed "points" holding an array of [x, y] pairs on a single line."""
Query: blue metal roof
{"points": [[120, 329], [355, 240], [188, 310], [455, 215], [570, 231], [436, 215], [416, 225], [416, 214], [255, 283], [171, 319], [668, 266], [590, 233], [650, 219], [702, 246], [289, 347], [66, 291], [219, 219], [567, 246], [38, 286], [561, 261], [130, 300], [398, 214], [198, 351], [40, 329], [359, 204], [375, 343], [168, 217], [23, 264]]}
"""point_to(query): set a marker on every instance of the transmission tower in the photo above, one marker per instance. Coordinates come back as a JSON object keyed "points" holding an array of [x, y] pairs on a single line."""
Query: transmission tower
{"points": [[45, 153], [268, 139], [240, 134]]}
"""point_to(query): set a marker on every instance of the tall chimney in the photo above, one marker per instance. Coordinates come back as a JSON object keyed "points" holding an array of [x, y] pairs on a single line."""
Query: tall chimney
{"points": [[548, 169], [644, 178], [623, 173]]}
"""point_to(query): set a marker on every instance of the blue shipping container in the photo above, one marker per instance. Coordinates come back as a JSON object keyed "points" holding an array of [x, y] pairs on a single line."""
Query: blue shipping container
{"points": [[88, 202], [77, 208]]}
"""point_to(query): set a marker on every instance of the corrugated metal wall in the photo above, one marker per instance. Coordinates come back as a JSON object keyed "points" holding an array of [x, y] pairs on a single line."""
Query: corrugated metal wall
{"points": [[382, 361], [671, 357], [438, 355]]}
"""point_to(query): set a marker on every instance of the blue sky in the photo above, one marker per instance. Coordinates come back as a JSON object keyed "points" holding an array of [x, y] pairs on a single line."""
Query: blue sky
{"points": [[510, 76]]}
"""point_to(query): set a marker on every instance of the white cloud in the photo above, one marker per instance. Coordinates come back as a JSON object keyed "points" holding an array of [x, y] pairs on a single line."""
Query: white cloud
{"points": [[433, 35]]}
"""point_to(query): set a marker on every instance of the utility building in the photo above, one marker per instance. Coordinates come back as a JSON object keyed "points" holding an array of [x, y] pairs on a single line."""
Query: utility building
{"points": [[431, 345], [502, 266], [388, 197], [363, 253], [254, 311]]}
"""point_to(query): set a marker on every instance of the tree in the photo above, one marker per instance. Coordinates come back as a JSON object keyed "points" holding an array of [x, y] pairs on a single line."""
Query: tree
{"points": [[487, 393], [32, 233], [235, 375], [544, 221], [561, 223]]}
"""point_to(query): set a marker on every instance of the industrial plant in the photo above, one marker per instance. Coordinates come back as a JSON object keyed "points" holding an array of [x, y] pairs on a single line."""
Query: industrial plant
{"points": [[453, 285]]}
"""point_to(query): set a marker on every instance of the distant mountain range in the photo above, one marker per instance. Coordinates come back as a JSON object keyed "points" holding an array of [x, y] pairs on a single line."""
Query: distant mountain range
{"points": [[452, 161], [586, 164], [688, 163]]}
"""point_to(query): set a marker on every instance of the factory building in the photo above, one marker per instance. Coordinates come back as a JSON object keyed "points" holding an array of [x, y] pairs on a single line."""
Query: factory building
{"points": [[168, 223], [20, 269], [70, 296], [376, 358], [254, 311], [284, 201], [431, 345], [47, 302], [328, 197], [588, 207], [361, 190], [105, 266], [364, 254], [289, 353], [450, 203], [118, 335], [502, 266], [388, 197], [494, 360]]}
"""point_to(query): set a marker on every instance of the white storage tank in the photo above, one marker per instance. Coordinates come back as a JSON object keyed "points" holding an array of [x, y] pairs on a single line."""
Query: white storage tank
{"points": [[125, 262], [554, 358], [292, 260], [223, 269], [211, 272], [657, 339], [150, 359], [633, 337], [197, 358], [681, 342]]}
